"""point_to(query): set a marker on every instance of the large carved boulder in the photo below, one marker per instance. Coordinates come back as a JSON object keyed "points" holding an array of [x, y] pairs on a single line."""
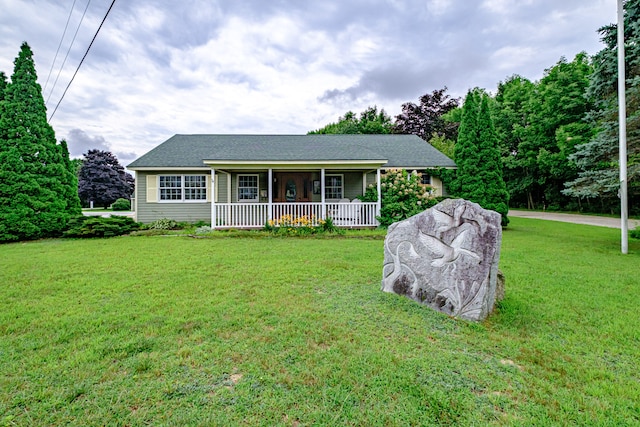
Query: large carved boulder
{"points": [[446, 258]]}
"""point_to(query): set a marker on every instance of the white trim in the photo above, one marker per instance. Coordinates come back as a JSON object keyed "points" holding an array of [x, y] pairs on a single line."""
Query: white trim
{"points": [[160, 169], [322, 198], [254, 215], [182, 189], [364, 183], [379, 201], [214, 184], [411, 168], [270, 193], [295, 164]]}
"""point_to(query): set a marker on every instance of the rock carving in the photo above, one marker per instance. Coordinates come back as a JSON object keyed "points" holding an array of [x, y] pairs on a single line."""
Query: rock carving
{"points": [[447, 258]]}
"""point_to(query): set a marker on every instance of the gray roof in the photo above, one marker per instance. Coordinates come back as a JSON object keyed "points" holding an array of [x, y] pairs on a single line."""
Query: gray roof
{"points": [[192, 150]]}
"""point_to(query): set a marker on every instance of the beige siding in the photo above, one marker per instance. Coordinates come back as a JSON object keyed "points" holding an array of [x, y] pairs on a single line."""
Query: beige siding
{"points": [[221, 187], [262, 185], [315, 176], [438, 187], [371, 179], [181, 211], [352, 184]]}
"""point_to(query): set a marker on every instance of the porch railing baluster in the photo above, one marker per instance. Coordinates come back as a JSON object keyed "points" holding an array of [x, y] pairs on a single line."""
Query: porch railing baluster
{"points": [[254, 215]]}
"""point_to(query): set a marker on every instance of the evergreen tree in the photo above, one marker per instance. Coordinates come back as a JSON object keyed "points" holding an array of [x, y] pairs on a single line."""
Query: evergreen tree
{"points": [[32, 171], [493, 192], [71, 181], [598, 159], [102, 179], [466, 149], [3, 88], [3, 84], [477, 154]]}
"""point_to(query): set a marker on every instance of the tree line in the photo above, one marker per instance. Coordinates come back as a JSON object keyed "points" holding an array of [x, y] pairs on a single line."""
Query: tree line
{"points": [[557, 138]]}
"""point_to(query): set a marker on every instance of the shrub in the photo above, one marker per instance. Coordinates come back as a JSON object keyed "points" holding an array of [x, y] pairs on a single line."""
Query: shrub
{"points": [[205, 229], [121, 205], [635, 233], [301, 226], [96, 226], [163, 224], [403, 195]]}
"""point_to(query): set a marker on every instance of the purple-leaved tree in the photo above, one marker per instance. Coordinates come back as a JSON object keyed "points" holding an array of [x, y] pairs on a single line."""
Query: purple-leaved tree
{"points": [[102, 180]]}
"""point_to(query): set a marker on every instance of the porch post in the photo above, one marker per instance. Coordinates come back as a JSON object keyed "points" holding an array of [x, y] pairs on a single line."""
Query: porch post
{"points": [[270, 186], [213, 199], [379, 201], [324, 206], [364, 182]]}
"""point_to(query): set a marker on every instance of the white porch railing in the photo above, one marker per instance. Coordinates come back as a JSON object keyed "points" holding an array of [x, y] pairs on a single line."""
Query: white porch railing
{"points": [[256, 215]]}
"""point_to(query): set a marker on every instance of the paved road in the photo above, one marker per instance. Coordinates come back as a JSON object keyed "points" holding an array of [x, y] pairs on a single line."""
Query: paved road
{"points": [[576, 219], [552, 216]]}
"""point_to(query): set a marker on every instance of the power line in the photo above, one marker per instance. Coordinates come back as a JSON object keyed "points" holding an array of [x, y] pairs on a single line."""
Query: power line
{"points": [[68, 50], [60, 44], [82, 60]]}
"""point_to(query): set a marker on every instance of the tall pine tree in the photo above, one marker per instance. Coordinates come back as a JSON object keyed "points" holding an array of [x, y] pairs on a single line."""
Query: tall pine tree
{"points": [[466, 148], [493, 194], [477, 154], [71, 181], [34, 180], [3, 84]]}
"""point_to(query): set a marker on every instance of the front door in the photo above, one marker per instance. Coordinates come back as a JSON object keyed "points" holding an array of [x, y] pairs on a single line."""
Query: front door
{"points": [[292, 187]]}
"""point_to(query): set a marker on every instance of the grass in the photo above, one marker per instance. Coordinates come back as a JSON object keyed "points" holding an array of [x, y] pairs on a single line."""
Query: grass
{"points": [[247, 329]]}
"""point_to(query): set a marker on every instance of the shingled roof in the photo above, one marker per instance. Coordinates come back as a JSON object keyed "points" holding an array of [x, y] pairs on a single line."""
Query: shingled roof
{"points": [[393, 151]]}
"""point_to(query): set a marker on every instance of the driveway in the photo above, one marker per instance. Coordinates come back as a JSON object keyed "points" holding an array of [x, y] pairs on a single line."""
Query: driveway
{"points": [[108, 213], [600, 221]]}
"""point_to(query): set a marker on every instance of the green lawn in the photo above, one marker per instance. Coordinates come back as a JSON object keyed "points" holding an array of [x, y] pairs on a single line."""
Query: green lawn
{"points": [[295, 331]]}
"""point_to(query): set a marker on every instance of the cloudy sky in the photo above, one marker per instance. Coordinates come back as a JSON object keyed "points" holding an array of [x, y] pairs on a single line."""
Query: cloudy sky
{"points": [[161, 67]]}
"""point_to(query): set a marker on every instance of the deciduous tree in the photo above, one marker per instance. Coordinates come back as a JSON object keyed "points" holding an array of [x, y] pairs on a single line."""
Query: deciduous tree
{"points": [[425, 119], [598, 159], [371, 121], [102, 179], [539, 125]]}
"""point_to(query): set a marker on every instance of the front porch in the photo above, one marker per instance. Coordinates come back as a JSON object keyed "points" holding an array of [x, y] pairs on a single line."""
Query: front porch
{"points": [[257, 196], [348, 214]]}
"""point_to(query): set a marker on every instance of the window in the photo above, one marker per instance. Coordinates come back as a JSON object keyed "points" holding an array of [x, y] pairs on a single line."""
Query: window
{"points": [[333, 187], [425, 179], [247, 188], [195, 187], [183, 187]]}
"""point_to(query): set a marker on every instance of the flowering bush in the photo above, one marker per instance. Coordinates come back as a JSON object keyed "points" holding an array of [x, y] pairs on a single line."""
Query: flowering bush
{"points": [[300, 226], [403, 195]]}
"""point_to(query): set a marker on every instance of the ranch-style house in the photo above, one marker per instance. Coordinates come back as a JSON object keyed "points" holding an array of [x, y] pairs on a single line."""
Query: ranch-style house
{"points": [[243, 181]]}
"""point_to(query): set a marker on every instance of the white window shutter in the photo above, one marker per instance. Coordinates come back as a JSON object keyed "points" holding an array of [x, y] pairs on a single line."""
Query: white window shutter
{"points": [[152, 188]]}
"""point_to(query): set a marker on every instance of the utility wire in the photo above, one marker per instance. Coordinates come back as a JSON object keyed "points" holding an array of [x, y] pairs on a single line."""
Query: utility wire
{"points": [[60, 44], [82, 60], [68, 50]]}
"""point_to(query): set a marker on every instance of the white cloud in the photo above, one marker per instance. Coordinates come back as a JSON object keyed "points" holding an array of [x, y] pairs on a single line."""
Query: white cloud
{"points": [[158, 68]]}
